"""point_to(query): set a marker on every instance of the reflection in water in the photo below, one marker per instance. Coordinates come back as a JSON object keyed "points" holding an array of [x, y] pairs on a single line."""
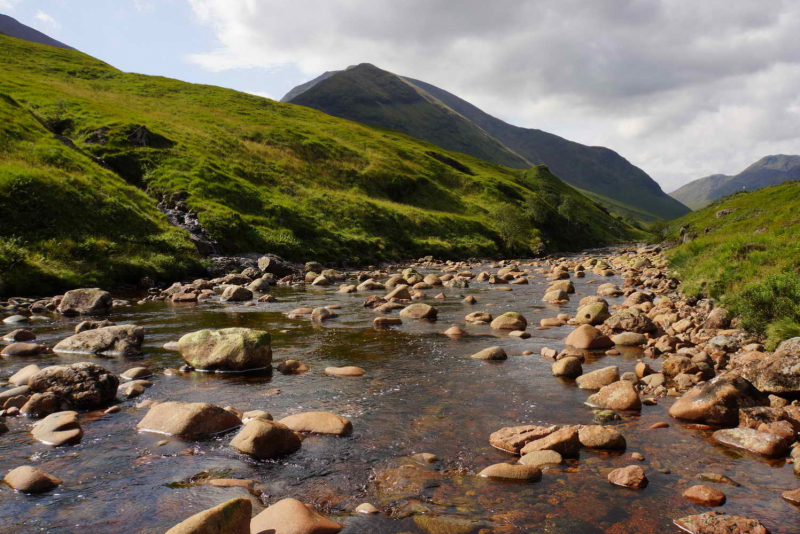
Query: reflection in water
{"points": [[421, 394]]}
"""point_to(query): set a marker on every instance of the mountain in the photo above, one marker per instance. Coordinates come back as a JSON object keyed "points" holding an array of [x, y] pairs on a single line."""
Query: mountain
{"points": [[770, 170], [13, 28], [91, 159], [373, 96], [743, 250]]}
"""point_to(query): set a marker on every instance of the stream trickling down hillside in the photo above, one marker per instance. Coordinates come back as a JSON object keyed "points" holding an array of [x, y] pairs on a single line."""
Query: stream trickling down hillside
{"points": [[421, 393]]}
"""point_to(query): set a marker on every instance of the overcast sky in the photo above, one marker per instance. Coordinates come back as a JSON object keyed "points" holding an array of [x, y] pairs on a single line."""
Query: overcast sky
{"points": [[680, 88]]}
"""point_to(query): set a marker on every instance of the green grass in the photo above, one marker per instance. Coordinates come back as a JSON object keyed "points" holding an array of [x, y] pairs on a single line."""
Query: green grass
{"points": [[748, 259], [261, 175]]}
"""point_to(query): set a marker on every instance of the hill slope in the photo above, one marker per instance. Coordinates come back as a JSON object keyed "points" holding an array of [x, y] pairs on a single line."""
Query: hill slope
{"points": [[373, 96], [13, 28], [743, 249], [261, 176], [770, 170]]}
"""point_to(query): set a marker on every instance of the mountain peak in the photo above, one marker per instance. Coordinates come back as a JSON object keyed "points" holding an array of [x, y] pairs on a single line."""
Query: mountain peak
{"points": [[13, 28]]}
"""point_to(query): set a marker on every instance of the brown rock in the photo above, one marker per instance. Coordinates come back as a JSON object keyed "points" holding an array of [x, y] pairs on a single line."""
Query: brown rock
{"points": [[345, 372], [29, 479], [512, 472], [264, 439], [564, 441], [588, 337], [232, 517], [318, 423], [617, 396], [598, 378], [632, 477], [513, 439], [490, 353], [762, 443], [718, 401], [290, 516], [60, 428], [600, 437], [569, 367], [190, 420], [717, 523], [705, 495], [92, 301], [23, 350], [419, 311]]}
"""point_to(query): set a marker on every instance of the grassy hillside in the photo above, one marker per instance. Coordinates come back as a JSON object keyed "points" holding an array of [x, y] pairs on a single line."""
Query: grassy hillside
{"points": [[372, 96], [748, 258], [590, 168], [768, 171], [262, 176]]}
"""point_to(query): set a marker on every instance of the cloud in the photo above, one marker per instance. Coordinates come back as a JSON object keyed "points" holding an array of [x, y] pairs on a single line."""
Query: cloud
{"points": [[46, 20], [144, 6], [682, 89], [261, 94], [9, 6]]}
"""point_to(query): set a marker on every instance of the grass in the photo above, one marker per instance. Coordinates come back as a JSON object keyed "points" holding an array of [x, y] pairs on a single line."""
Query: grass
{"points": [[749, 259], [80, 208]]}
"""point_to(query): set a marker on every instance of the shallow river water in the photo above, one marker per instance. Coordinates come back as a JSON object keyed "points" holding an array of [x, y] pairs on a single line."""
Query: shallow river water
{"points": [[421, 393]]}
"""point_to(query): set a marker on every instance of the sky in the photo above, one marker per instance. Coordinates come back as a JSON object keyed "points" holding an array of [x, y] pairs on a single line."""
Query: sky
{"points": [[682, 89]]}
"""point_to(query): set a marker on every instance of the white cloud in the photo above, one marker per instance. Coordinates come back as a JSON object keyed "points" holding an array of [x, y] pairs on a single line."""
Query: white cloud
{"points": [[47, 20], [144, 6], [261, 94], [9, 6], [682, 89]]}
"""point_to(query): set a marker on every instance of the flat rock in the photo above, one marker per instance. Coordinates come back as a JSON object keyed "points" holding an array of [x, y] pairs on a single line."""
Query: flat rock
{"points": [[600, 437], [59, 429], [23, 376], [541, 459], [490, 353], [513, 439], [263, 439], [124, 340], [81, 385], [24, 350], [232, 517], [705, 495], [527, 473], [718, 523], [290, 516], [718, 401], [617, 396], [761, 443], [598, 378], [564, 441], [419, 311], [318, 423], [345, 372], [190, 420]]}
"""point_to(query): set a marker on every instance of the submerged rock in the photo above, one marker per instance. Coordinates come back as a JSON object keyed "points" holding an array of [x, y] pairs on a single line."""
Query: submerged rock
{"points": [[632, 477], [718, 523], [527, 473], [705, 495]]}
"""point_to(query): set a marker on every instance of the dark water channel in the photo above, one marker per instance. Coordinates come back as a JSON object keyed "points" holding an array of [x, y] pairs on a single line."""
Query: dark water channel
{"points": [[421, 393]]}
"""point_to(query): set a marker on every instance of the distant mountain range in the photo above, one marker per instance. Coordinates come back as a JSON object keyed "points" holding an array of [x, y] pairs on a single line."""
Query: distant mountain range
{"points": [[367, 94], [770, 170], [13, 28]]}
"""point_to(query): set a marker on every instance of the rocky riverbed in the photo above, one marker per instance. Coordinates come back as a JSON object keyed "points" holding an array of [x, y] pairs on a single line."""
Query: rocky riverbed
{"points": [[576, 394]]}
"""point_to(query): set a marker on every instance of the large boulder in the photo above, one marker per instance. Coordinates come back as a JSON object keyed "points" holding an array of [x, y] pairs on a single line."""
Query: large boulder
{"points": [[761, 443], [419, 311], [264, 439], [290, 516], [490, 353], [92, 301], [29, 479], [593, 314], [718, 401], [598, 378], [275, 265], [125, 340], [231, 517], [617, 396], [81, 385], [588, 337], [510, 321], [777, 373], [190, 420], [236, 294], [229, 349]]}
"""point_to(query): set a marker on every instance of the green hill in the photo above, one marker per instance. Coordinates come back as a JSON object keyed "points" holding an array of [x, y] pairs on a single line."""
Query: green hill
{"points": [[369, 95], [744, 250], [88, 152], [769, 170]]}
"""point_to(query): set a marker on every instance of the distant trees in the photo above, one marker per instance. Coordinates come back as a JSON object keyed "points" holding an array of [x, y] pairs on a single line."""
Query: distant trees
{"points": [[537, 209], [568, 209], [511, 224]]}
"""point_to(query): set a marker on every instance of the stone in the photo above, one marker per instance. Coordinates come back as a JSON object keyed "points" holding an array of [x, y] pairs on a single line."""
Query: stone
{"points": [[19, 335], [264, 439], [588, 337], [58, 429], [29, 479], [229, 349], [16, 319], [292, 367], [792, 496], [642, 370], [23, 376], [718, 401], [42, 404], [125, 340], [718, 318], [236, 294], [632, 477], [319, 315], [23, 350], [366, 508], [629, 339], [777, 373], [231, 517], [593, 314], [520, 334], [256, 414], [319, 423], [545, 458], [490, 353], [92, 301], [600, 437], [718, 523], [761, 443], [718, 479], [504, 471], [705, 495], [598, 378], [135, 373], [509, 321], [569, 367], [275, 265], [620, 396], [189, 420], [564, 441], [555, 296], [387, 321], [513, 439], [630, 320], [290, 516], [345, 372], [419, 311], [455, 331], [478, 317], [91, 325], [81, 385], [400, 292]]}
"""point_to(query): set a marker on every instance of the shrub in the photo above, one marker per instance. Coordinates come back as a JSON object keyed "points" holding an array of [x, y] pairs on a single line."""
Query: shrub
{"points": [[771, 307]]}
